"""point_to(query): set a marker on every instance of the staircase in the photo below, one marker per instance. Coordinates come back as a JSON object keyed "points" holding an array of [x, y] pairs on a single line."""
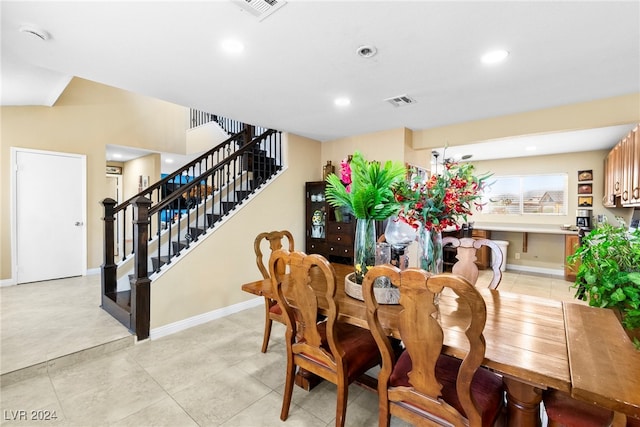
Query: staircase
{"points": [[171, 215]]}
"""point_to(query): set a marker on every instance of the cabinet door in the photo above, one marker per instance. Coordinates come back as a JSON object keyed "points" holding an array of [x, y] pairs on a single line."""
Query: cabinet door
{"points": [[616, 170], [571, 243], [626, 152], [609, 198], [634, 184]]}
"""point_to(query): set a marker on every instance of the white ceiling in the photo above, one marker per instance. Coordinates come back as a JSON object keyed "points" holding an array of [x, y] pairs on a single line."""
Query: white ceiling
{"points": [[300, 58]]}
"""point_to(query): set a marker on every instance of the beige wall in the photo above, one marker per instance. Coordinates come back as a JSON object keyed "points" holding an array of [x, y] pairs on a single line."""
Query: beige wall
{"points": [[86, 117], [382, 146], [203, 138], [586, 115], [209, 278]]}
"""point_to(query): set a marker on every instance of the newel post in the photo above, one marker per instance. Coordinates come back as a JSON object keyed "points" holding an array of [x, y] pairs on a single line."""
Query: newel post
{"points": [[108, 269], [140, 288]]}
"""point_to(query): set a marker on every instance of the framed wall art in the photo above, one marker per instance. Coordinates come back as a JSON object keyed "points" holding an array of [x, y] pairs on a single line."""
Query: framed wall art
{"points": [[585, 201], [586, 175], [585, 188]]}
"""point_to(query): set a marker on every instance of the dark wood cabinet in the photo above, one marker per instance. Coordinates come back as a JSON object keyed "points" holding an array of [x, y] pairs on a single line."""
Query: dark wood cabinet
{"points": [[327, 234]]}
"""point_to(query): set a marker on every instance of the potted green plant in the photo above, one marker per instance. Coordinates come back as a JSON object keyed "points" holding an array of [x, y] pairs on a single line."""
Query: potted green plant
{"points": [[609, 273]]}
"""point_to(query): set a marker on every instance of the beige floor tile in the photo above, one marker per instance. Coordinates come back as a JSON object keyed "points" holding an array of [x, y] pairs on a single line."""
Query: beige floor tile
{"points": [[220, 397], [321, 401], [114, 400], [95, 374], [268, 368], [165, 412], [185, 369], [28, 395], [266, 413]]}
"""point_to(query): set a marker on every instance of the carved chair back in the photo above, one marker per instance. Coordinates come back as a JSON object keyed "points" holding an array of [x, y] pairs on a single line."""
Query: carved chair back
{"points": [[466, 256], [420, 322]]}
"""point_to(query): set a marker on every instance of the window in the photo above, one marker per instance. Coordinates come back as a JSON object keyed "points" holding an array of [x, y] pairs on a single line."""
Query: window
{"points": [[527, 195]]}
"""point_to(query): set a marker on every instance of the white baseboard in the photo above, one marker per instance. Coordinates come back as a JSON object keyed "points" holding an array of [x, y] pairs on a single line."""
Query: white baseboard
{"points": [[181, 325], [92, 271], [7, 282], [539, 270]]}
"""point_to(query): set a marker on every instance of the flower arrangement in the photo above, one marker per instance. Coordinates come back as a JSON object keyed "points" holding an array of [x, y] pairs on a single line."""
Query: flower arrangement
{"points": [[442, 200], [366, 188]]}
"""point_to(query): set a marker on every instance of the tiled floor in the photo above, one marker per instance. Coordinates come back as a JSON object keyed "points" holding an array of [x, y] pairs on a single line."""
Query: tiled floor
{"points": [[209, 375]]}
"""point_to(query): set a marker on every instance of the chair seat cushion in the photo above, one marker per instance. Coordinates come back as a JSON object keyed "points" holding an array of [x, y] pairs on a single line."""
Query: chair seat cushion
{"points": [[276, 309], [360, 349], [567, 411], [486, 386]]}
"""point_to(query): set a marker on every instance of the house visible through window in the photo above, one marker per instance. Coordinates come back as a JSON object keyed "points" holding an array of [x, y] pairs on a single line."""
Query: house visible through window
{"points": [[527, 195]]}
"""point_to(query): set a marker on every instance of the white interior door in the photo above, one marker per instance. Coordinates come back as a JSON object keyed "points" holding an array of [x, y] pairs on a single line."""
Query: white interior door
{"points": [[49, 219]]}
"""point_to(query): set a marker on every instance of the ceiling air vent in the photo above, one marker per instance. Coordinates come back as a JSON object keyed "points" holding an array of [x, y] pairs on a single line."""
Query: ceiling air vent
{"points": [[260, 8], [401, 101]]}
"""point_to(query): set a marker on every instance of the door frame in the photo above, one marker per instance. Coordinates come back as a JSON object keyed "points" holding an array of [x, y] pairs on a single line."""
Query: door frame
{"points": [[119, 220], [14, 207]]}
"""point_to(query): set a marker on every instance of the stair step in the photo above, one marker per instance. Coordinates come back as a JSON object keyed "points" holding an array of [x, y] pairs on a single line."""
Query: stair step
{"points": [[159, 262], [178, 246], [118, 304], [228, 206], [194, 232], [212, 219], [243, 194]]}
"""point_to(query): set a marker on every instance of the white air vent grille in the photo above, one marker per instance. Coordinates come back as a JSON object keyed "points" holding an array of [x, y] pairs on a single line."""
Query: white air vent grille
{"points": [[401, 101], [260, 8]]}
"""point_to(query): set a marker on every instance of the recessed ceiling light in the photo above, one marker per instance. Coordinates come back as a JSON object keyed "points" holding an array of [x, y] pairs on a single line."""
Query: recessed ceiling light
{"points": [[342, 102], [494, 56], [168, 160], [232, 46], [117, 155]]}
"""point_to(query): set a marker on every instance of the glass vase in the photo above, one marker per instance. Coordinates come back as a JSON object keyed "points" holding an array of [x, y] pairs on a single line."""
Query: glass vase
{"points": [[399, 235], [430, 250], [364, 247]]}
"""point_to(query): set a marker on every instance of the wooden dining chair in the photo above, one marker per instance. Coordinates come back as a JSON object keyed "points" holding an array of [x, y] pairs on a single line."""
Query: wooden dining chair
{"points": [[565, 411], [423, 386], [272, 310], [466, 255], [335, 351]]}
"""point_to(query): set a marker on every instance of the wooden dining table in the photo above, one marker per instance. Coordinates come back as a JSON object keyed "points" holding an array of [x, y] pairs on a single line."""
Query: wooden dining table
{"points": [[526, 341]]}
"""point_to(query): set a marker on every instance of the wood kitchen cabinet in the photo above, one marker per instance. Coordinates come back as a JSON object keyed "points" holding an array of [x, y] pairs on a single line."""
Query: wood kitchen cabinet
{"points": [[631, 183], [622, 173], [571, 243]]}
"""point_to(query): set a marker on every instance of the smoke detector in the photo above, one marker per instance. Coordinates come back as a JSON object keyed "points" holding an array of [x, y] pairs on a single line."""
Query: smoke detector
{"points": [[401, 100], [261, 9]]}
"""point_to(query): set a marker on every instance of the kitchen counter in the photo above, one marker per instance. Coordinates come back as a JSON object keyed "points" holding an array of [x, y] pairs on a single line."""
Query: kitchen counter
{"points": [[524, 228]]}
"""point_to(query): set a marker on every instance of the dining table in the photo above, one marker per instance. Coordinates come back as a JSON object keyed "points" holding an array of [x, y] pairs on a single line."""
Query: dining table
{"points": [[534, 343]]}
